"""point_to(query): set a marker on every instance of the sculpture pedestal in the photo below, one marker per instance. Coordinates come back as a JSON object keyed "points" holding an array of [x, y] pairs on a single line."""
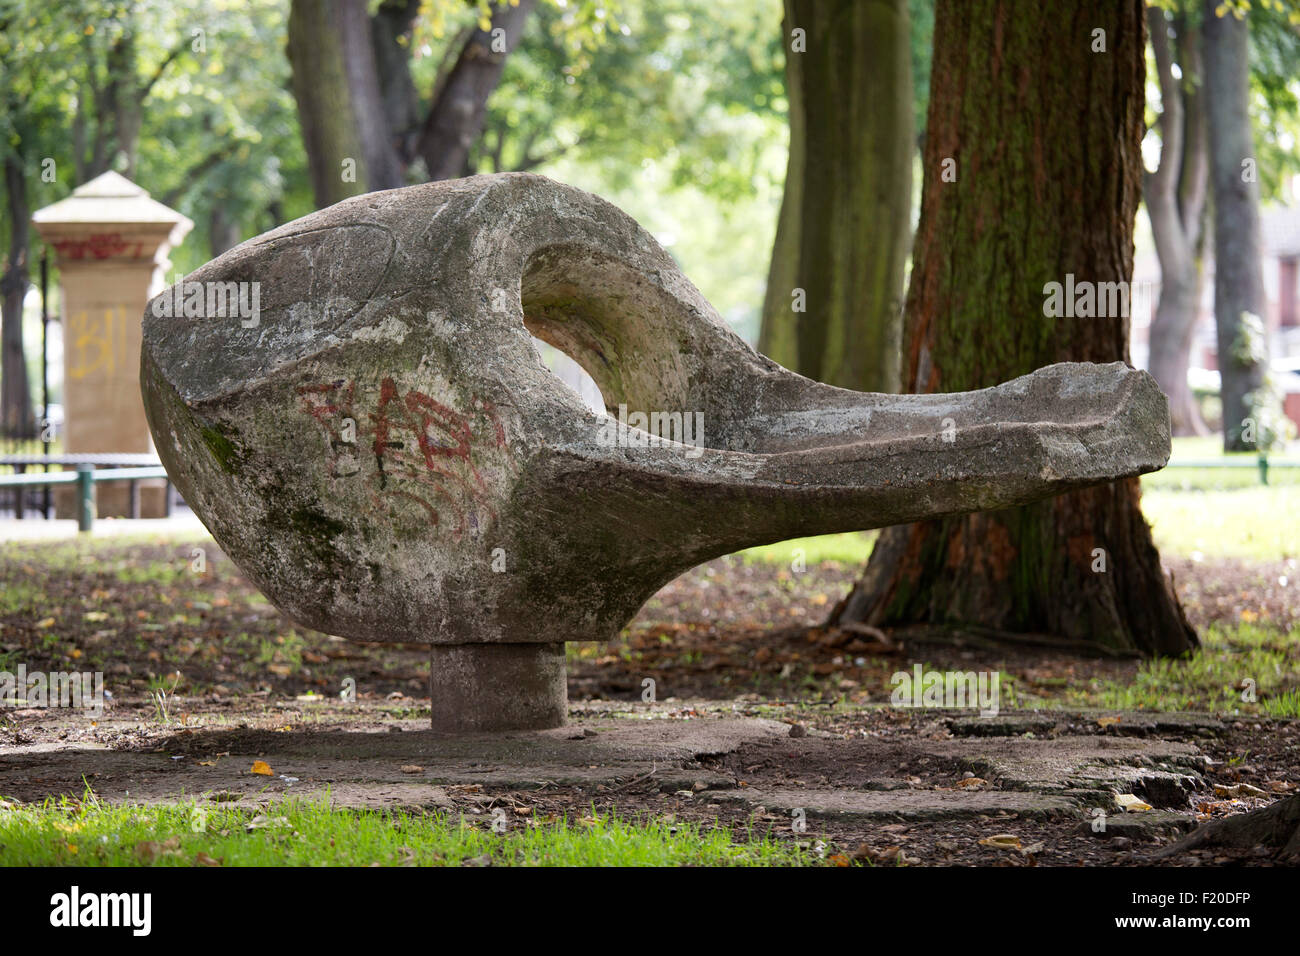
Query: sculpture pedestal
{"points": [[489, 687]]}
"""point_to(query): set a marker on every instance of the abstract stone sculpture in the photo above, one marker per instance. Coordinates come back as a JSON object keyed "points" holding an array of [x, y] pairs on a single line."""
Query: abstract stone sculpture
{"points": [[378, 447]]}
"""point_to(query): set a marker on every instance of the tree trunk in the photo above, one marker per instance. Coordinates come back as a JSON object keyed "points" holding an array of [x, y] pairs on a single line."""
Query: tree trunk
{"points": [[390, 27], [1171, 337], [128, 114], [335, 83], [776, 335], [1046, 141], [1238, 271], [223, 232], [1275, 827], [16, 418], [460, 105], [854, 84], [1175, 200]]}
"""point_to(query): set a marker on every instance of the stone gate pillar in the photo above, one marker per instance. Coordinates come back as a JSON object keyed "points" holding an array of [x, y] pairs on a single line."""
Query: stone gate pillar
{"points": [[111, 243]]}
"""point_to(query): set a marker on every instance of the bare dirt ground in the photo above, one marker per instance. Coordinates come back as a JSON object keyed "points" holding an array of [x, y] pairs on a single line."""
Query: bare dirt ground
{"points": [[764, 721]]}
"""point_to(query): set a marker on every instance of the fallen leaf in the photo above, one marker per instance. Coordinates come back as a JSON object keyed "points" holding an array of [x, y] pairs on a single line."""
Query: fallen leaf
{"points": [[262, 822], [972, 782], [1130, 804], [151, 850], [1238, 790], [1108, 721], [202, 859], [412, 768], [879, 856], [1002, 841], [263, 768]]}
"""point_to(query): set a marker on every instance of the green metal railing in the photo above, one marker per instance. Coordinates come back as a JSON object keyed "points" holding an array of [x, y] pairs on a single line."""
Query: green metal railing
{"points": [[85, 478], [1259, 462]]}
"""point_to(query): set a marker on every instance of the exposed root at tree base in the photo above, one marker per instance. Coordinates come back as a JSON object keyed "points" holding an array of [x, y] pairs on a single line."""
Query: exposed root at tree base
{"points": [[1274, 826]]}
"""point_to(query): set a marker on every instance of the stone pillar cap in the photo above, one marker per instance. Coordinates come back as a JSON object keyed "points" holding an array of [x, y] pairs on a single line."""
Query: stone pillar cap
{"points": [[110, 200]]}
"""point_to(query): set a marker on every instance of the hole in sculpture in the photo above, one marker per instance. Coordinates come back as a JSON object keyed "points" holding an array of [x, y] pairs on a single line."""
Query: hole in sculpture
{"points": [[573, 375], [604, 314]]}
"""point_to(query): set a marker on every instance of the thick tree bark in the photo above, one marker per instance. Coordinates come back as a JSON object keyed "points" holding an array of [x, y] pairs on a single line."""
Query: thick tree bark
{"points": [[1046, 141], [854, 84], [777, 333], [1175, 200], [336, 86], [460, 104], [15, 398], [1238, 271]]}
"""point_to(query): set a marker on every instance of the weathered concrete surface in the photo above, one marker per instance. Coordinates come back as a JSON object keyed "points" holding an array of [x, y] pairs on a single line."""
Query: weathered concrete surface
{"points": [[385, 456], [1117, 764], [1064, 775], [915, 805], [379, 768]]}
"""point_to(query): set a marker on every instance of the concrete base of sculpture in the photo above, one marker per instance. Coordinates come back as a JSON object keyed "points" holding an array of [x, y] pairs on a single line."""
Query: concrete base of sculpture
{"points": [[380, 450], [477, 687]]}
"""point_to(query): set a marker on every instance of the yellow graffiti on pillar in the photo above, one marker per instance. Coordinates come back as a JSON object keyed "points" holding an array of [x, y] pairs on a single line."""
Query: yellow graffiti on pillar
{"points": [[97, 345]]}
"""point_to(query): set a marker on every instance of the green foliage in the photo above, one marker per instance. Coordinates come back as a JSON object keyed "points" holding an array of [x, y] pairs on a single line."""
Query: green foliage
{"points": [[692, 85], [1275, 92], [1274, 83], [217, 127]]}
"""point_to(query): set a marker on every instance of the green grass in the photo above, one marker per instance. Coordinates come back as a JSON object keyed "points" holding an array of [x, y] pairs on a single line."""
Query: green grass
{"points": [[1258, 523], [1212, 679], [852, 547], [89, 832]]}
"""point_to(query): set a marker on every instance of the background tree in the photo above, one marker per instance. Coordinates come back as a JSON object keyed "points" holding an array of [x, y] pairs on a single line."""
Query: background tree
{"points": [[1176, 192], [455, 119], [1044, 136], [692, 85], [357, 121], [336, 84], [845, 223], [1175, 195], [1239, 301]]}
